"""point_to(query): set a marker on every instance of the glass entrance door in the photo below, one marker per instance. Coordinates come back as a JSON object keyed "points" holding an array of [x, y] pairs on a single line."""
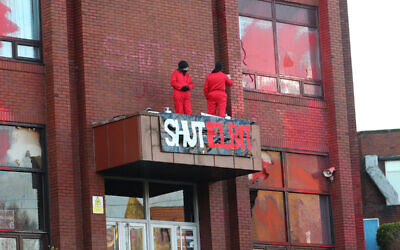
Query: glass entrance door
{"points": [[126, 236]]}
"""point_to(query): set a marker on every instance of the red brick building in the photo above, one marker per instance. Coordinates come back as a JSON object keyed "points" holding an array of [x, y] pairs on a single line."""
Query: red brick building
{"points": [[68, 67], [380, 168]]}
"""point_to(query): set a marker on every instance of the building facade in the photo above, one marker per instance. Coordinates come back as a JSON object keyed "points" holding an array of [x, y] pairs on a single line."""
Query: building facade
{"points": [[380, 170], [76, 77]]}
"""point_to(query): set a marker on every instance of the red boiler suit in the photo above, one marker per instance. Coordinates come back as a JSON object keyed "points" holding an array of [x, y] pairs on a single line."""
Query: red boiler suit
{"points": [[214, 91], [181, 98]]}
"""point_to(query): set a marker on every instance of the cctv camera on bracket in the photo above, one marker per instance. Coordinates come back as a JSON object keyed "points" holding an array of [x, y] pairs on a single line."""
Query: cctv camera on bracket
{"points": [[328, 173]]}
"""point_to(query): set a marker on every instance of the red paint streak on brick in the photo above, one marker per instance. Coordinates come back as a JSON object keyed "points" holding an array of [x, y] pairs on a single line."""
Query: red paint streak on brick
{"points": [[6, 26]]}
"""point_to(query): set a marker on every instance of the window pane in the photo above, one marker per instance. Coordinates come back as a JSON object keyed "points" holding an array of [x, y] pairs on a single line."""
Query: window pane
{"points": [[255, 8], [124, 199], [31, 244], [257, 45], [5, 49], [305, 172], [19, 200], [392, 169], [268, 216], [28, 52], [271, 176], [20, 147], [136, 237], [248, 81], [162, 238], [312, 90], [296, 15], [23, 16], [290, 87], [299, 51], [309, 219], [171, 202], [185, 237], [8, 243], [112, 237], [267, 84]]}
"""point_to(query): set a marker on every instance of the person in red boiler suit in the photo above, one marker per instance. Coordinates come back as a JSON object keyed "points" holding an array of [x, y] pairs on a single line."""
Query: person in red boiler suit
{"points": [[182, 84], [214, 90]]}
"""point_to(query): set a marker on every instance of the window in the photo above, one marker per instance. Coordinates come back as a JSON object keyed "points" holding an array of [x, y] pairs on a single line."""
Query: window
{"points": [[150, 215], [290, 202], [392, 172], [22, 175], [20, 30], [280, 48]]}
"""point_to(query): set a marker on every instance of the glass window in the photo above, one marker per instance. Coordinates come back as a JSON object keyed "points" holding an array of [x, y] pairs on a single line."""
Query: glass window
{"points": [[249, 81], [31, 244], [28, 51], [295, 14], [305, 172], [124, 199], [5, 49], [21, 188], [19, 200], [268, 216], [20, 147], [170, 202], [312, 90], [257, 45], [290, 87], [8, 243], [284, 46], [162, 238], [267, 84], [255, 8], [309, 219], [20, 20], [392, 171], [298, 51], [271, 174], [289, 201]]}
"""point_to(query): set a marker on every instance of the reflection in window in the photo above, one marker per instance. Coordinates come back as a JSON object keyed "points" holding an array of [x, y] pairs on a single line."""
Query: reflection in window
{"points": [[112, 237], [290, 87], [162, 238], [309, 219], [294, 14], [19, 200], [28, 51], [268, 215], [8, 243], [31, 244], [266, 84], [249, 81], [255, 8], [305, 172], [170, 202], [25, 15], [136, 237], [392, 172], [5, 49], [257, 45], [20, 147], [298, 51], [124, 199]]}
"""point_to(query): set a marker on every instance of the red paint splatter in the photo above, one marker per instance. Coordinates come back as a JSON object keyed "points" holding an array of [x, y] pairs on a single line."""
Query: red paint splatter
{"points": [[263, 174], [6, 26]]}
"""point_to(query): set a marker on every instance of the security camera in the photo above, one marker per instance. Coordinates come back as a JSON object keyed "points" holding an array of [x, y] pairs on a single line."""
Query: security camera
{"points": [[328, 173]]}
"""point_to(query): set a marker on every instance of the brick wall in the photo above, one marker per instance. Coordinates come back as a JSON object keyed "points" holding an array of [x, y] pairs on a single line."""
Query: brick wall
{"points": [[381, 143], [106, 58]]}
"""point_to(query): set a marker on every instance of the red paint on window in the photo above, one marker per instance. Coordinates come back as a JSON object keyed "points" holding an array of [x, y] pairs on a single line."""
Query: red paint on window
{"points": [[271, 174], [268, 216], [299, 51], [257, 45], [6, 26]]}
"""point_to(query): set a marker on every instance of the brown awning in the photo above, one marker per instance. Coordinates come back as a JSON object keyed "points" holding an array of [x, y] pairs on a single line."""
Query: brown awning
{"points": [[130, 146]]}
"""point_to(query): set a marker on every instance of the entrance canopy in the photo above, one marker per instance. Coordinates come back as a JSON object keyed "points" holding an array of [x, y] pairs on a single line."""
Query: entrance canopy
{"points": [[176, 147]]}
